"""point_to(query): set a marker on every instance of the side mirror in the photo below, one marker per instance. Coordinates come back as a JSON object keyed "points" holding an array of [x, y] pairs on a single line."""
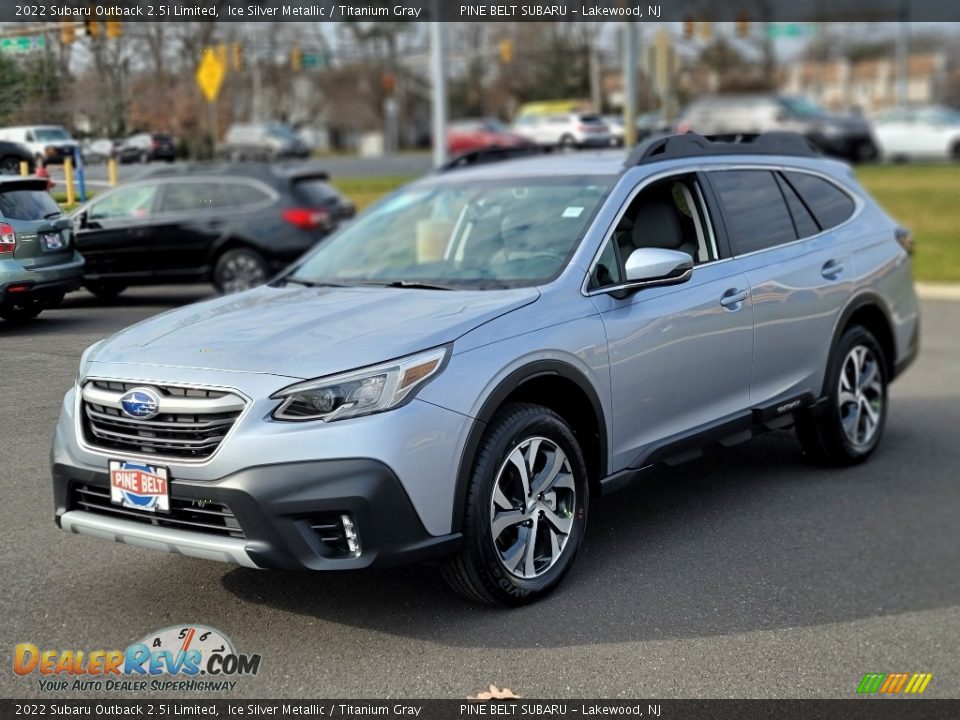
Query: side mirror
{"points": [[658, 266], [81, 220]]}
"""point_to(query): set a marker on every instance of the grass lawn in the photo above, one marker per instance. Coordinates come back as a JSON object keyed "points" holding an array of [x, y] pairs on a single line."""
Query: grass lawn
{"points": [[924, 198]]}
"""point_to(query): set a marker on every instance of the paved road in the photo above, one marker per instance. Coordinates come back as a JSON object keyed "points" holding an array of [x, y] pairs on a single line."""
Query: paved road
{"points": [[338, 167], [749, 573]]}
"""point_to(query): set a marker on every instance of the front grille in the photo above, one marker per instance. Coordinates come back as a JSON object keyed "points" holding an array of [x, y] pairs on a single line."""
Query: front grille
{"points": [[210, 518], [191, 424]]}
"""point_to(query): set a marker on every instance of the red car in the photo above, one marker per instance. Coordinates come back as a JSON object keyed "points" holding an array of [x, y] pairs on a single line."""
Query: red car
{"points": [[466, 136]]}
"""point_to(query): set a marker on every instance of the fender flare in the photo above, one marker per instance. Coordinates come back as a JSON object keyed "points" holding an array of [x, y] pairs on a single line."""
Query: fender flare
{"points": [[867, 298], [495, 399]]}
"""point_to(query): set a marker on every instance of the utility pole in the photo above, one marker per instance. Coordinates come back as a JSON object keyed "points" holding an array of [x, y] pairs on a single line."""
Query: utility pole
{"points": [[629, 84], [903, 54], [438, 76]]}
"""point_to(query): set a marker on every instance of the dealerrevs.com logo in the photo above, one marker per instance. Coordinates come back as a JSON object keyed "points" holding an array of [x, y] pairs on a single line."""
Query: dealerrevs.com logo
{"points": [[187, 658], [894, 683]]}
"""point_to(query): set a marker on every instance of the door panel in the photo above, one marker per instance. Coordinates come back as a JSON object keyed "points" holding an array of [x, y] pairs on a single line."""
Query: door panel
{"points": [[116, 234], [193, 218], [680, 357]]}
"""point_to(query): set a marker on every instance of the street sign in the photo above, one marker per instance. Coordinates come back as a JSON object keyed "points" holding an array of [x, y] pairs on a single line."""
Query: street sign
{"points": [[314, 60], [23, 44], [787, 29], [210, 74]]}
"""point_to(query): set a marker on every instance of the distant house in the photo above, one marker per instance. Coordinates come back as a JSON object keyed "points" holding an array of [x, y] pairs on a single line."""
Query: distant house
{"points": [[867, 85]]}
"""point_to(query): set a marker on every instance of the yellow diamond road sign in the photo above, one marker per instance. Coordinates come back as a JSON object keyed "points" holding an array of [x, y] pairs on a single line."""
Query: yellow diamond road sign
{"points": [[210, 74]]}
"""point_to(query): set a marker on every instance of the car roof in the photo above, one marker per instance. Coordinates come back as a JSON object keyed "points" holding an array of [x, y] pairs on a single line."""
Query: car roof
{"points": [[25, 183], [261, 170], [602, 162]]}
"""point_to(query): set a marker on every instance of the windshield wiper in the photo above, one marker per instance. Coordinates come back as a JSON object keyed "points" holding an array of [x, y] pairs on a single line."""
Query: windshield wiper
{"points": [[53, 214], [307, 283], [413, 284]]}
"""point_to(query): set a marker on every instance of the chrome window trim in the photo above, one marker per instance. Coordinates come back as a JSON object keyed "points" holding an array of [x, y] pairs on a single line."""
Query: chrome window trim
{"points": [[153, 458], [859, 204]]}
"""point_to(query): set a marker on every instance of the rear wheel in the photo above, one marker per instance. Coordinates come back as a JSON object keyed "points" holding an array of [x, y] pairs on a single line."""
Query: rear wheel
{"points": [[850, 428], [105, 290], [21, 313], [240, 269], [568, 142], [526, 509]]}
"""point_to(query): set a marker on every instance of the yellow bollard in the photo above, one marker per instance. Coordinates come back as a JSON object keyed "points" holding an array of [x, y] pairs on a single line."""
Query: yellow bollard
{"points": [[112, 171], [24, 168], [68, 177]]}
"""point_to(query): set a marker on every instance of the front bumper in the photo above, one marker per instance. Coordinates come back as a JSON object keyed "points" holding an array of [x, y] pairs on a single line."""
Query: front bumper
{"points": [[277, 508]]}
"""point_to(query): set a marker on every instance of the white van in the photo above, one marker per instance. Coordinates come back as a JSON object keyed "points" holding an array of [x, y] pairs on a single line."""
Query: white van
{"points": [[48, 144]]}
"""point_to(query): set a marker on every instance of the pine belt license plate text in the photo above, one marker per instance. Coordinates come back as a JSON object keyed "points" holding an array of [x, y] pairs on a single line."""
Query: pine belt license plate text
{"points": [[52, 241], [139, 486]]}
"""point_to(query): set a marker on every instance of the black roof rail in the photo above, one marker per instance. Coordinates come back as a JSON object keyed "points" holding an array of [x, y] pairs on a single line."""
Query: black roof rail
{"points": [[489, 155], [671, 147]]}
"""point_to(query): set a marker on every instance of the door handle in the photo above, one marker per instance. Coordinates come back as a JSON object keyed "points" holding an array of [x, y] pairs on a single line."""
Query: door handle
{"points": [[734, 297], [832, 269]]}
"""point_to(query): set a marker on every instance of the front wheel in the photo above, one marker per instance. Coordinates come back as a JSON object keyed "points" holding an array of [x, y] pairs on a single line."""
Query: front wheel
{"points": [[849, 429], [105, 290], [526, 509]]}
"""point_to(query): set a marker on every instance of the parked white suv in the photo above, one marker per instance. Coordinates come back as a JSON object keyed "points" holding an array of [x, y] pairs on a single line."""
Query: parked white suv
{"points": [[48, 144], [567, 130]]}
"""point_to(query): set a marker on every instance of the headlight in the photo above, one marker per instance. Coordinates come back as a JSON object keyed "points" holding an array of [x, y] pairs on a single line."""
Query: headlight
{"points": [[359, 392]]}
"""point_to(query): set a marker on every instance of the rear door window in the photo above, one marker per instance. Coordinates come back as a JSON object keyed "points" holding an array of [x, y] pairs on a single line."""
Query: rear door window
{"points": [[829, 204], [189, 197], [240, 195], [313, 191], [755, 212], [27, 205]]}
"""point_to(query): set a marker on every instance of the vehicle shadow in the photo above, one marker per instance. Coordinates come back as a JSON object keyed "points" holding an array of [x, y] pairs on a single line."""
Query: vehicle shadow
{"points": [[748, 538]]}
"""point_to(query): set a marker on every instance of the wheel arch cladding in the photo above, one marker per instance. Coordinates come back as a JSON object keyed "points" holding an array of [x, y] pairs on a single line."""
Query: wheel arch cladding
{"points": [[557, 386], [869, 311]]}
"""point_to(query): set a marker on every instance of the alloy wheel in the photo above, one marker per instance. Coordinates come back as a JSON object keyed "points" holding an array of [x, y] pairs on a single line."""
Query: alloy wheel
{"points": [[861, 395], [532, 507], [242, 272]]}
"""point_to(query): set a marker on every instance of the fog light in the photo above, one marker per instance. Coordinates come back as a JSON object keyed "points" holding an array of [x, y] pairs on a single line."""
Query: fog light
{"points": [[350, 533]]}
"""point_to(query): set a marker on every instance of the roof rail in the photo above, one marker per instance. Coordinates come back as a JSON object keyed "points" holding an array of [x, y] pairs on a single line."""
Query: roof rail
{"points": [[694, 145], [488, 155]]}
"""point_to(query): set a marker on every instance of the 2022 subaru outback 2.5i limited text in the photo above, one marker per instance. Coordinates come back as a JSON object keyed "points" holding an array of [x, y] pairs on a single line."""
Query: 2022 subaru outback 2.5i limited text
{"points": [[457, 372]]}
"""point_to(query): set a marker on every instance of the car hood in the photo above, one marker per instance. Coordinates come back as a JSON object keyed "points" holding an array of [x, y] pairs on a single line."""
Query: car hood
{"points": [[307, 332]]}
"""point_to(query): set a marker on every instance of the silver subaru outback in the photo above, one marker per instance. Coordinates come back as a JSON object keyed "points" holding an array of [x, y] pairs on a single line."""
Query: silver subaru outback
{"points": [[454, 375]]}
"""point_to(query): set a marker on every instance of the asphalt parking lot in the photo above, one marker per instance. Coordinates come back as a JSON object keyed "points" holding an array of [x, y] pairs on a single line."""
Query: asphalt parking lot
{"points": [[748, 573]]}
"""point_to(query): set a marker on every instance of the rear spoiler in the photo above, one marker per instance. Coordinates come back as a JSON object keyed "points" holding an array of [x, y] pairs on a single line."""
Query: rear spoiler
{"points": [[12, 182]]}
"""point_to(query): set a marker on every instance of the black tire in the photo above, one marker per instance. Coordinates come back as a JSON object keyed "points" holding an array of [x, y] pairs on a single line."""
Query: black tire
{"points": [[240, 269], [144, 157], [478, 571], [105, 290], [824, 437], [568, 142], [955, 152], [21, 313], [10, 165]]}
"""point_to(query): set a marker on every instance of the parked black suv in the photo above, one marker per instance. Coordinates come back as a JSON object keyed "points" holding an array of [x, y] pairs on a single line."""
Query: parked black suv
{"points": [[233, 225]]}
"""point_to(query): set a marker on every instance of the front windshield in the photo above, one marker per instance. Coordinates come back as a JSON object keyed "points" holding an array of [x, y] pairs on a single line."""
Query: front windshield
{"points": [[802, 107], [48, 134], [510, 232]]}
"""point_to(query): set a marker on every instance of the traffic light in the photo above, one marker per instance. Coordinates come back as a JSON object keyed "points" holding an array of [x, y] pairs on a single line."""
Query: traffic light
{"points": [[67, 32], [91, 28], [743, 25], [236, 56], [689, 27], [296, 58], [389, 82], [506, 51], [114, 28]]}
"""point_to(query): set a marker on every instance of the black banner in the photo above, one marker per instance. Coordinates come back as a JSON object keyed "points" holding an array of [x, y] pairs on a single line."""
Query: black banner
{"points": [[854, 709], [481, 10]]}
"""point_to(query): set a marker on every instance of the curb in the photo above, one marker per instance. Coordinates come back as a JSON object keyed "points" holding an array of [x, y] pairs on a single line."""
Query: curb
{"points": [[935, 291]]}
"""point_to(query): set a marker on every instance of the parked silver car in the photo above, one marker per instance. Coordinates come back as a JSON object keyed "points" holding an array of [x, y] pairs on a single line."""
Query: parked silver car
{"points": [[564, 130], [457, 372]]}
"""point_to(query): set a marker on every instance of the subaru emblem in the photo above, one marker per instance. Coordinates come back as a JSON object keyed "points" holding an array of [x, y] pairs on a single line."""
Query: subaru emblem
{"points": [[140, 403]]}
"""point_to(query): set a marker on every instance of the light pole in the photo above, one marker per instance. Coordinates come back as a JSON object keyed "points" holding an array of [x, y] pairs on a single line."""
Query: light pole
{"points": [[438, 76], [629, 85]]}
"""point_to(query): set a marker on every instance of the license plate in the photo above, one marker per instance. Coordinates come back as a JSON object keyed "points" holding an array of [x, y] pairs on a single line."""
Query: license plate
{"points": [[139, 486], [53, 241]]}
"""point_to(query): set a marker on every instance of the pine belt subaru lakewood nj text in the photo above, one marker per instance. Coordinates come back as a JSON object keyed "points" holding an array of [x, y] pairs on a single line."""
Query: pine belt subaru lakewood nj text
{"points": [[454, 374]]}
